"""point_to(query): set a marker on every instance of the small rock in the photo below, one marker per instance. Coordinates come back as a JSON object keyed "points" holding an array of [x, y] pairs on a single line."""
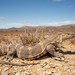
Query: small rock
{"points": [[66, 67], [57, 74], [44, 64], [60, 59], [4, 71], [18, 73]]}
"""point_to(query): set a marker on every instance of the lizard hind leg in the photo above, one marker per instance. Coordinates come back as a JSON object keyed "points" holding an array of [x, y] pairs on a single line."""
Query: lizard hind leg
{"points": [[51, 49]]}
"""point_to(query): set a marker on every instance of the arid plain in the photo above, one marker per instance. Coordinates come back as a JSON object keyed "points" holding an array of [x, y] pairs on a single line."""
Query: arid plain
{"points": [[29, 36]]}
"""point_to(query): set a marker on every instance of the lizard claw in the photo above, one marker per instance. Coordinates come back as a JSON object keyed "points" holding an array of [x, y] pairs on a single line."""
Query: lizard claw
{"points": [[59, 56]]}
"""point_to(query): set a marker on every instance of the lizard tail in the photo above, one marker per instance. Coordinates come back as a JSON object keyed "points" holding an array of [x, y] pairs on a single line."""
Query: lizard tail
{"points": [[14, 64]]}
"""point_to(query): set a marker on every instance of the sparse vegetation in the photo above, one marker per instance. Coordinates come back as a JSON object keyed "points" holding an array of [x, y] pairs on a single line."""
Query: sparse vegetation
{"points": [[31, 36]]}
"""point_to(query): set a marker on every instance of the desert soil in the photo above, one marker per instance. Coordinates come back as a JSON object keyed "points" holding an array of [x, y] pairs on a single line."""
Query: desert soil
{"points": [[48, 65]]}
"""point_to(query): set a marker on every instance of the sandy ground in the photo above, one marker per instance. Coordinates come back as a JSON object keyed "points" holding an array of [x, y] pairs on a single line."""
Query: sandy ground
{"points": [[48, 66]]}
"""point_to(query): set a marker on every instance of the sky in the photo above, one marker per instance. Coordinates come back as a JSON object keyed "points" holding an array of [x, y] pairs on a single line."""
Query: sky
{"points": [[17, 13]]}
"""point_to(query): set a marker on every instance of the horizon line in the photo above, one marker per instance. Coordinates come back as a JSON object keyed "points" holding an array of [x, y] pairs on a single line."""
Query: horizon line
{"points": [[36, 26]]}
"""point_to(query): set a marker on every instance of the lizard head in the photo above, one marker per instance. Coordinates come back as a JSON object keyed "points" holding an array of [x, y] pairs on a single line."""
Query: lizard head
{"points": [[65, 36]]}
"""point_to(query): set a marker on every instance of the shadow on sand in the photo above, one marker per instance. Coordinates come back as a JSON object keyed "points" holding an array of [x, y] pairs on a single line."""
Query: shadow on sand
{"points": [[68, 52], [49, 56]]}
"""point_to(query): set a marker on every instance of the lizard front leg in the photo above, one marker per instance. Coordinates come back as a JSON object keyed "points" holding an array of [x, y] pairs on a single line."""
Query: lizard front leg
{"points": [[10, 52]]}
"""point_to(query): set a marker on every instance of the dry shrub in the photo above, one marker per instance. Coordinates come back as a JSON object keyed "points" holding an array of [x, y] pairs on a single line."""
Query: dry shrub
{"points": [[27, 37], [4, 40], [31, 38]]}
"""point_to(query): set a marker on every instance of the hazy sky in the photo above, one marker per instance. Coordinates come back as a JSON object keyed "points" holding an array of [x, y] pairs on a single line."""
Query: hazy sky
{"points": [[36, 12]]}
